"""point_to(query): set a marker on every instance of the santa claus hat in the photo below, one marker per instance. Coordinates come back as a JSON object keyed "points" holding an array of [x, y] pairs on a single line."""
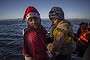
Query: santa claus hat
{"points": [[30, 12]]}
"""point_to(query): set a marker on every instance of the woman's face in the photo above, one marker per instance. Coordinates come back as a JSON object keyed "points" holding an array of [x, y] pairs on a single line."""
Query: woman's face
{"points": [[34, 22]]}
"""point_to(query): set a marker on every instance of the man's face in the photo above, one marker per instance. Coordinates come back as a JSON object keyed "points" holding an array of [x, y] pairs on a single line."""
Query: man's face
{"points": [[34, 22]]}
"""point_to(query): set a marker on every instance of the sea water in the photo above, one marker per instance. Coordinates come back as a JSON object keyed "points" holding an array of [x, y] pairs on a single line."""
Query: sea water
{"points": [[11, 40]]}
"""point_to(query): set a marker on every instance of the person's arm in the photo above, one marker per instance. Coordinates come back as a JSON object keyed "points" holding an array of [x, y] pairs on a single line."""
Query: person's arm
{"points": [[36, 48]]}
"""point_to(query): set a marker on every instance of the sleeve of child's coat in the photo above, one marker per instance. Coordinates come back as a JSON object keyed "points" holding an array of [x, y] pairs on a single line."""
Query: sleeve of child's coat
{"points": [[71, 46], [59, 38], [64, 29], [69, 49]]}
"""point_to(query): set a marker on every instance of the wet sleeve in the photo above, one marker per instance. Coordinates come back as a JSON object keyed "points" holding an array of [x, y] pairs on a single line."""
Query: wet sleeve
{"points": [[36, 47]]}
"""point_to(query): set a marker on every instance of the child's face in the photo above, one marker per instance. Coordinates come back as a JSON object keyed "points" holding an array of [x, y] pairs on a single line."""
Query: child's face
{"points": [[34, 22], [54, 21]]}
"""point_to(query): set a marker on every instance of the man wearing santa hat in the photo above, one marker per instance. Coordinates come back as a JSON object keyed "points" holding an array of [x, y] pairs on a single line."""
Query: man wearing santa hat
{"points": [[34, 37]]}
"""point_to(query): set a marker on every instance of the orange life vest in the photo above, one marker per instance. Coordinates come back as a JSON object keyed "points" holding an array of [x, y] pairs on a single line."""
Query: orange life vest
{"points": [[82, 39]]}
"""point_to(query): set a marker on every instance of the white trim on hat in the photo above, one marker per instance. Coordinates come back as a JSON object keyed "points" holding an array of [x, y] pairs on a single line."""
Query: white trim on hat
{"points": [[32, 14]]}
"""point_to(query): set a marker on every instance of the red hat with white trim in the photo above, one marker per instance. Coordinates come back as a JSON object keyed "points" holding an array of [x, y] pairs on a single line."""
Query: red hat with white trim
{"points": [[30, 12]]}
